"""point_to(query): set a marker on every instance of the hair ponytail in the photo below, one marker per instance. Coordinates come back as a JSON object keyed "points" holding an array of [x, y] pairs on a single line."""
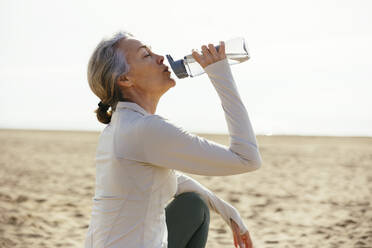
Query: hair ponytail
{"points": [[103, 115]]}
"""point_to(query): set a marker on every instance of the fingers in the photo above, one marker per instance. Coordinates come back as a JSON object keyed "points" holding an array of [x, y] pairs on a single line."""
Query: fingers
{"points": [[197, 56], [240, 241], [233, 228], [213, 51], [221, 50], [247, 244], [209, 54], [235, 240], [247, 240], [237, 237]]}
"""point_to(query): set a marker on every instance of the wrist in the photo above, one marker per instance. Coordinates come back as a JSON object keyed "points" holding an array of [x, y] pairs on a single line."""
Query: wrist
{"points": [[216, 65]]}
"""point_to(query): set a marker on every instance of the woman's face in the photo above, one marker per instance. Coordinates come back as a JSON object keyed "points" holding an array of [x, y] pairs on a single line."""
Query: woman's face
{"points": [[146, 73]]}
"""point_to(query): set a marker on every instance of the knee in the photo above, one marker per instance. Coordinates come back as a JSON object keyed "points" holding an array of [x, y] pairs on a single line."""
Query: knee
{"points": [[194, 201]]}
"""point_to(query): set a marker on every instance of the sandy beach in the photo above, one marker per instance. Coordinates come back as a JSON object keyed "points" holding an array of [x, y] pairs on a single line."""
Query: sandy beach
{"points": [[310, 191]]}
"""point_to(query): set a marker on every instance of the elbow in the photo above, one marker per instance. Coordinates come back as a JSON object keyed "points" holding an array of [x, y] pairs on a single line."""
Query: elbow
{"points": [[257, 164], [250, 160], [253, 164], [258, 161]]}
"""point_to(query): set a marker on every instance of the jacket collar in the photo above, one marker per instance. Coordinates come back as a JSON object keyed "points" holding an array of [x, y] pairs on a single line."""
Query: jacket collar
{"points": [[133, 106]]}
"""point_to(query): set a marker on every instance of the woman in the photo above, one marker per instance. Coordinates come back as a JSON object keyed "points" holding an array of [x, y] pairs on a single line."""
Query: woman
{"points": [[140, 154]]}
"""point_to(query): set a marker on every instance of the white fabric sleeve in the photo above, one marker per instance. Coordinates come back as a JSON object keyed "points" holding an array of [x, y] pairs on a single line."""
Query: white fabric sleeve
{"points": [[168, 145], [218, 205]]}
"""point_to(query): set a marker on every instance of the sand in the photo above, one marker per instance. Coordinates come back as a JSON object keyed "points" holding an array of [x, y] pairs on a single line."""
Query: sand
{"points": [[310, 191]]}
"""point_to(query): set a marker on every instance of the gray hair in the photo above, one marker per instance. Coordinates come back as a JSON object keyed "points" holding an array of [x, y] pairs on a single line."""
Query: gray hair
{"points": [[105, 66]]}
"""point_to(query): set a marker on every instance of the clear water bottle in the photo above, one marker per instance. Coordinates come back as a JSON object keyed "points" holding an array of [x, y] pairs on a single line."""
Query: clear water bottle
{"points": [[235, 49]]}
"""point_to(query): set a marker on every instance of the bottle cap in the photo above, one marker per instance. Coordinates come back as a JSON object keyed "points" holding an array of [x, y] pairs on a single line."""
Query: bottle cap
{"points": [[178, 67]]}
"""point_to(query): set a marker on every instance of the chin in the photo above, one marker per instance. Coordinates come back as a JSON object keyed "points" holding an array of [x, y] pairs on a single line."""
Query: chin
{"points": [[172, 81]]}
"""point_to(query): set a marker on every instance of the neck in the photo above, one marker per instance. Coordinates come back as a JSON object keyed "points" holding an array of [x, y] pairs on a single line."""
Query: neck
{"points": [[148, 103]]}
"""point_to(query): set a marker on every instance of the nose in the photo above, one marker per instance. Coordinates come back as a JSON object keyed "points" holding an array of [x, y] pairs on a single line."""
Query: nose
{"points": [[160, 59]]}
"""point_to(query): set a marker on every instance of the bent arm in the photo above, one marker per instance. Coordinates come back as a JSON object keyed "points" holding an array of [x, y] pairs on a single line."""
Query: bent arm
{"points": [[168, 145], [242, 137]]}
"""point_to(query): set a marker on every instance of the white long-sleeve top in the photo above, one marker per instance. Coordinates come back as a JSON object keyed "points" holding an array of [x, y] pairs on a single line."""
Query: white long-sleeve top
{"points": [[140, 158]]}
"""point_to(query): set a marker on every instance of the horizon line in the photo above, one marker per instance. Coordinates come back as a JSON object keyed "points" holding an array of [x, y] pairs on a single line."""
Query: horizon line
{"points": [[197, 133]]}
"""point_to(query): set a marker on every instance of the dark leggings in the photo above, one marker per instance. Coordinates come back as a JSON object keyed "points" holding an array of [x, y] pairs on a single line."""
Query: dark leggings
{"points": [[187, 218]]}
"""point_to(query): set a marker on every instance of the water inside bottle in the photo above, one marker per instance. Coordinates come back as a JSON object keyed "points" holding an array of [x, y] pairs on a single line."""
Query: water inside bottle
{"points": [[233, 58], [235, 49]]}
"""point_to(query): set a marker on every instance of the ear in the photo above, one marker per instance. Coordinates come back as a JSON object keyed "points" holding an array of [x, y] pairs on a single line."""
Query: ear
{"points": [[123, 81]]}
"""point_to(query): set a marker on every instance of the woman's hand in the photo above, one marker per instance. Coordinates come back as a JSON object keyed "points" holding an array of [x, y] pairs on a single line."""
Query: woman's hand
{"points": [[209, 55], [243, 240]]}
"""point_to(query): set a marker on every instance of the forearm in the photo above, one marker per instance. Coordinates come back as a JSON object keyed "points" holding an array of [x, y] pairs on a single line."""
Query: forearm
{"points": [[242, 137], [218, 205]]}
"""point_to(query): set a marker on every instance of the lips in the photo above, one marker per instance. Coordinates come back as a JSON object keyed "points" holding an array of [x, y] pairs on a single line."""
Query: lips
{"points": [[166, 69]]}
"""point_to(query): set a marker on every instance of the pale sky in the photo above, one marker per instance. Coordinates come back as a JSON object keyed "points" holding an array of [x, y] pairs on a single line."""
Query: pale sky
{"points": [[309, 72]]}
